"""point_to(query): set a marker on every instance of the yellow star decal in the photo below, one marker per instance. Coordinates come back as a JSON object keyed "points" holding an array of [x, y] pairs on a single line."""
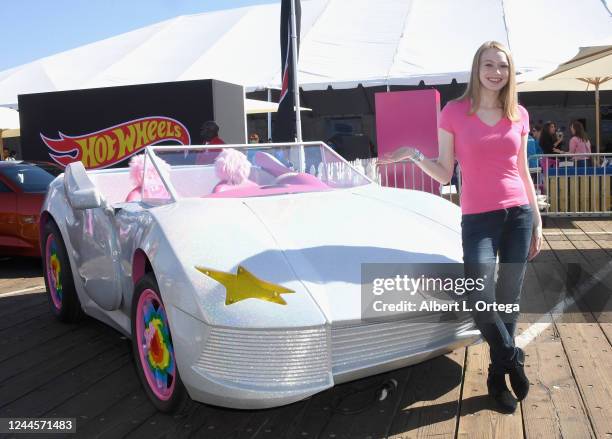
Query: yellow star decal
{"points": [[244, 285]]}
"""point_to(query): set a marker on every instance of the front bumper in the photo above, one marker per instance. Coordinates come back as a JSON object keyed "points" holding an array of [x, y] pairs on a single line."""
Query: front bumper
{"points": [[262, 368]]}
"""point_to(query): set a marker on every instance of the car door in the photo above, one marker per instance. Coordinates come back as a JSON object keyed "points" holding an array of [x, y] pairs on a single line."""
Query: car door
{"points": [[95, 246], [29, 184], [28, 215], [8, 216]]}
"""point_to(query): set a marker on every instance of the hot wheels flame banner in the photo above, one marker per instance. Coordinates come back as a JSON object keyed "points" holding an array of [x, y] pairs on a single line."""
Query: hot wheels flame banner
{"points": [[109, 146]]}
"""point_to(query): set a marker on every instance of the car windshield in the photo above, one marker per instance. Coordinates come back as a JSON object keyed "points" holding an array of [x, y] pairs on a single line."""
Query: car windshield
{"points": [[237, 171], [54, 170], [31, 178]]}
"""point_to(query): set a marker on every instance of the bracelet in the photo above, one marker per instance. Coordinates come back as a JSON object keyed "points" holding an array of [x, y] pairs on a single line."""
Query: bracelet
{"points": [[417, 156]]}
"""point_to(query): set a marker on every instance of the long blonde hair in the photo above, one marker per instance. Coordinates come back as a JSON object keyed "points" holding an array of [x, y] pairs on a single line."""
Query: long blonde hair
{"points": [[507, 95]]}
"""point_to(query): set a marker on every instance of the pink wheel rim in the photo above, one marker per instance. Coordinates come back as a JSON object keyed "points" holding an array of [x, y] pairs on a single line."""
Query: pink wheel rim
{"points": [[54, 271], [154, 345]]}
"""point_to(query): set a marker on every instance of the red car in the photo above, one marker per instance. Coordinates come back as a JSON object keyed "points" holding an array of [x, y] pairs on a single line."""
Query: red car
{"points": [[23, 186]]}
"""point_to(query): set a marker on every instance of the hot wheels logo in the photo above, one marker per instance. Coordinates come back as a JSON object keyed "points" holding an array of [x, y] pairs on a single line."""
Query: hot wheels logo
{"points": [[112, 145]]}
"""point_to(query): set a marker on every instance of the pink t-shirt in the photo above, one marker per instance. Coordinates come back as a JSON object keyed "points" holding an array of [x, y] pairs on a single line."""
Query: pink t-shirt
{"points": [[577, 145], [488, 156]]}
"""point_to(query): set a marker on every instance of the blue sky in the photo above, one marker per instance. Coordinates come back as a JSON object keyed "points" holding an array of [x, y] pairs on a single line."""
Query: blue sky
{"points": [[31, 29]]}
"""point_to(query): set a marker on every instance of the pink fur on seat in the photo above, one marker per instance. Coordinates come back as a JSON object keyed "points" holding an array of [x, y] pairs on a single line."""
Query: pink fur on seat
{"points": [[153, 185], [233, 168]]}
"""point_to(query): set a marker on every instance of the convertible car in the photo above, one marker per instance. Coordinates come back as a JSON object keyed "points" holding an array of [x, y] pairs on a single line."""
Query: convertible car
{"points": [[244, 294]]}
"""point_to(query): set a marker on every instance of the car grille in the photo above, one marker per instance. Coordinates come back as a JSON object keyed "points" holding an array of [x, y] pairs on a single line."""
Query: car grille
{"points": [[355, 347], [275, 358]]}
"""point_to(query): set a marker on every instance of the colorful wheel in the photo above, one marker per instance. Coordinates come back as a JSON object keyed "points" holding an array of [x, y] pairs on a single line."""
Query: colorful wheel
{"points": [[53, 272], [63, 298], [153, 349]]}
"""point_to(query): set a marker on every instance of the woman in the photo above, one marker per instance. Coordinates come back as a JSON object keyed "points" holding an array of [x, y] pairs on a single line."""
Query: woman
{"points": [[579, 144], [486, 130], [549, 141]]}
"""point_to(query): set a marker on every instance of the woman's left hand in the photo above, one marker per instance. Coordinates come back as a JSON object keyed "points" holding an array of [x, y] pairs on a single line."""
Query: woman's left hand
{"points": [[536, 239]]}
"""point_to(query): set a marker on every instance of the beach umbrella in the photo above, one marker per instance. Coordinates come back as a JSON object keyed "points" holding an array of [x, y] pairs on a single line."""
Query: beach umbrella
{"points": [[590, 69]]}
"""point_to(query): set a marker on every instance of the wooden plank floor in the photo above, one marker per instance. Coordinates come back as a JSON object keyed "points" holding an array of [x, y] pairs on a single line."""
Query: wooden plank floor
{"points": [[85, 371]]}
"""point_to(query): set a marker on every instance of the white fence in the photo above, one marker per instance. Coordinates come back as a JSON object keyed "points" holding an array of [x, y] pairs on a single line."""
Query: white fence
{"points": [[406, 175], [574, 184], [566, 184]]}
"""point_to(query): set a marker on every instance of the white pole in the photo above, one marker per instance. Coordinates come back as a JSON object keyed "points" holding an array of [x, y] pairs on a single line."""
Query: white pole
{"points": [[296, 90], [269, 117], [597, 114]]}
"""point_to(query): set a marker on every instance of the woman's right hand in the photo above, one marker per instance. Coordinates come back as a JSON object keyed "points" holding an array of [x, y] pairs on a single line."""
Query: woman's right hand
{"points": [[403, 153], [536, 239]]}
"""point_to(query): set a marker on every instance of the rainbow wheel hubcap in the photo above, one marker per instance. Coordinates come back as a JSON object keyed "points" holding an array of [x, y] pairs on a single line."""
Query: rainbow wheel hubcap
{"points": [[54, 272], [155, 346]]}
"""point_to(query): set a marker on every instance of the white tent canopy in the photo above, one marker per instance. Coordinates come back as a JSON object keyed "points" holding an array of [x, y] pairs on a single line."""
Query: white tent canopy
{"points": [[9, 118], [344, 43], [254, 106]]}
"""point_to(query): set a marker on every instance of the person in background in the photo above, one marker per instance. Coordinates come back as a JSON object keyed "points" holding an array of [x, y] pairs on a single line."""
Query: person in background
{"points": [[210, 133], [5, 153], [11, 156], [536, 132], [210, 136], [559, 138], [550, 142], [253, 138], [579, 143], [533, 146]]}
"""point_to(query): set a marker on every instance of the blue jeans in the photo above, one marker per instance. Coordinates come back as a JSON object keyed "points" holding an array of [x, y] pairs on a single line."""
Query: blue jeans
{"points": [[484, 235]]}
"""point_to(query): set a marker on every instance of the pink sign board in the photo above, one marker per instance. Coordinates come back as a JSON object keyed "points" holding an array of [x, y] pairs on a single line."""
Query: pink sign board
{"points": [[407, 118]]}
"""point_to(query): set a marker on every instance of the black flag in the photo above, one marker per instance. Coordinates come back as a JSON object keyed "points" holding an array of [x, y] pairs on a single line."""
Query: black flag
{"points": [[284, 129]]}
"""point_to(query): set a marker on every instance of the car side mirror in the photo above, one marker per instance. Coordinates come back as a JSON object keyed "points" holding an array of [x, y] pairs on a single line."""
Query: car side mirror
{"points": [[81, 192]]}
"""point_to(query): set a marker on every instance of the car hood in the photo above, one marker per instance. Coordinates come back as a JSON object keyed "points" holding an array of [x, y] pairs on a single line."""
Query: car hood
{"points": [[327, 236]]}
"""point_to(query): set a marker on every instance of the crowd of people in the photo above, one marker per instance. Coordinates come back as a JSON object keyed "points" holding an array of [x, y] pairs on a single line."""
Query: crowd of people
{"points": [[547, 139]]}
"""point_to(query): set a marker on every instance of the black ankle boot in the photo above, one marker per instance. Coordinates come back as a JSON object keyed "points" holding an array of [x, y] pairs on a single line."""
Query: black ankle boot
{"points": [[496, 384], [518, 379]]}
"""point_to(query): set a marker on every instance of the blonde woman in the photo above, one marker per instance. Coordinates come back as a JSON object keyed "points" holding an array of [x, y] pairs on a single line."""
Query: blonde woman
{"points": [[486, 131]]}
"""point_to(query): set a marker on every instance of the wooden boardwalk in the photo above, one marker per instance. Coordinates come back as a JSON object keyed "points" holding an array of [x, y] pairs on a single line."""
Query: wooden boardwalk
{"points": [[48, 369]]}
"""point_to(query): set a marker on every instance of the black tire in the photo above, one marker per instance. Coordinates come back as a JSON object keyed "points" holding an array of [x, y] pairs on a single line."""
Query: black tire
{"points": [[63, 299], [178, 400]]}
